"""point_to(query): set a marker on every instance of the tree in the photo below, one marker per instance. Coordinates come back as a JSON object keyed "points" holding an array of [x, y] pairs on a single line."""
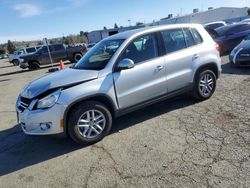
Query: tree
{"points": [[39, 43], [105, 28], [248, 11], [2, 50], [115, 26], [81, 33], [10, 47]]}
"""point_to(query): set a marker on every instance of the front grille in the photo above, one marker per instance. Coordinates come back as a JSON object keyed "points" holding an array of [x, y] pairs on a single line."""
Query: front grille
{"points": [[23, 103], [245, 63], [25, 100]]}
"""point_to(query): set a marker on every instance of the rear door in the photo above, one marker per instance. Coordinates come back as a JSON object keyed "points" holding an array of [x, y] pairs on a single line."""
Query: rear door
{"points": [[58, 52], [147, 79], [180, 53]]}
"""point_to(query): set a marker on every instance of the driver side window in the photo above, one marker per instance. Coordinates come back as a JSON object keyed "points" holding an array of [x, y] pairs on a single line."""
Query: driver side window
{"points": [[141, 49]]}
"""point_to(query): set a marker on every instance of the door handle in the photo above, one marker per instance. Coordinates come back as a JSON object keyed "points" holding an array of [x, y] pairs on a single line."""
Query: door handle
{"points": [[196, 56], [159, 67]]}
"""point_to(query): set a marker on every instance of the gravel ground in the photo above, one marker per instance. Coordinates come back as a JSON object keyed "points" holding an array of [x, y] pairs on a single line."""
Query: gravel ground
{"points": [[177, 143]]}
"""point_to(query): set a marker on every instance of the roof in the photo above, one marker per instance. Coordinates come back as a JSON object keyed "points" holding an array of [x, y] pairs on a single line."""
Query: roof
{"points": [[130, 33]]}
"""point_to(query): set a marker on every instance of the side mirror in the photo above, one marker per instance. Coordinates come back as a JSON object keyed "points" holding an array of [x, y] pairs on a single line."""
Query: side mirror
{"points": [[125, 64]]}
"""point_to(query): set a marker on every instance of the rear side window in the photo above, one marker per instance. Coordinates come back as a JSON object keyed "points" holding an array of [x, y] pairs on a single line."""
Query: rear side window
{"points": [[174, 40], [188, 37], [197, 36], [30, 50], [57, 47], [141, 49]]}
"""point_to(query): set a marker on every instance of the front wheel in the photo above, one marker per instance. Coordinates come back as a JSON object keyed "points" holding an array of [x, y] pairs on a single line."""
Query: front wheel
{"points": [[89, 122], [205, 84], [15, 62]]}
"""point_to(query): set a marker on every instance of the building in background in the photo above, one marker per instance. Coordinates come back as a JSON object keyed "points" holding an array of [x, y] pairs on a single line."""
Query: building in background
{"points": [[211, 15], [227, 14]]}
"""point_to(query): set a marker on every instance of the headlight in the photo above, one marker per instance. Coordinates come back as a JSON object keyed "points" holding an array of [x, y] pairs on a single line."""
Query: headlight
{"points": [[234, 51], [49, 101]]}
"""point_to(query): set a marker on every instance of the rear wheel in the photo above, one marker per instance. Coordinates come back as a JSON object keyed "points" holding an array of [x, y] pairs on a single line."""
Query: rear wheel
{"points": [[77, 57], [34, 65], [89, 122], [205, 84]]}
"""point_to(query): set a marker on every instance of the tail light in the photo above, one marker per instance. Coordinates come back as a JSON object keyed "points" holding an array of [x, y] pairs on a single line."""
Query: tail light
{"points": [[217, 47], [85, 49]]}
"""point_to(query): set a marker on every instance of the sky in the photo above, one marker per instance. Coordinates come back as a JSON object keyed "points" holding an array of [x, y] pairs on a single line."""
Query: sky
{"points": [[36, 19]]}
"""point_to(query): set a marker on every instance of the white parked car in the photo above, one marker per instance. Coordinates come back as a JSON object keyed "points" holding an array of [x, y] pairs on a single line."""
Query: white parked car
{"points": [[15, 57], [214, 25]]}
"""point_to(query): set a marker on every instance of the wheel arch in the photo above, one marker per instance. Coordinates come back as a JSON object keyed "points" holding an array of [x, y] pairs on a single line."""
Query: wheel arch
{"points": [[102, 98], [211, 66]]}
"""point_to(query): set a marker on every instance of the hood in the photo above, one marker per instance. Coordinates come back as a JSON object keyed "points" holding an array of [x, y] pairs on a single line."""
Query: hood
{"points": [[59, 79]]}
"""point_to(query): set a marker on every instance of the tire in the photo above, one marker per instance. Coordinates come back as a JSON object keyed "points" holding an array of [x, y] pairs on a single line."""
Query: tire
{"points": [[203, 87], [15, 62], [77, 57], [81, 125], [34, 65]]}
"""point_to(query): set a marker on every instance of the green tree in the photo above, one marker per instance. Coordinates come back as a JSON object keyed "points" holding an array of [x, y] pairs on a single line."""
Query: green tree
{"points": [[81, 33], [2, 50], [39, 43], [116, 26], [10, 47]]}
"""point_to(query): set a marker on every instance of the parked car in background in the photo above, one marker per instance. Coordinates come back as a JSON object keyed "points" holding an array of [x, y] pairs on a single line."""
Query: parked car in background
{"points": [[240, 55], [58, 52], [214, 25], [15, 57], [120, 74], [246, 20], [230, 36]]}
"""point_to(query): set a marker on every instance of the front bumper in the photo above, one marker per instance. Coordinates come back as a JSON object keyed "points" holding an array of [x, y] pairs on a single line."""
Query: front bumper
{"points": [[242, 61], [42, 122]]}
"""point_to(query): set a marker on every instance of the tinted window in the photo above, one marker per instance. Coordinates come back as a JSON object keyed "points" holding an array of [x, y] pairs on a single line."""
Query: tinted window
{"points": [[173, 40], [141, 49], [197, 36], [57, 47], [188, 37], [214, 26], [30, 50]]}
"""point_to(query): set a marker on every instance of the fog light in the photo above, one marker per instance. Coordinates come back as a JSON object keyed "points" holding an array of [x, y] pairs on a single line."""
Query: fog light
{"points": [[45, 126]]}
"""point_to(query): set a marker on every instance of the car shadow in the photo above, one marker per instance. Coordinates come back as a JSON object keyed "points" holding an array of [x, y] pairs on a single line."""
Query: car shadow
{"points": [[18, 151], [228, 69], [56, 65], [7, 66]]}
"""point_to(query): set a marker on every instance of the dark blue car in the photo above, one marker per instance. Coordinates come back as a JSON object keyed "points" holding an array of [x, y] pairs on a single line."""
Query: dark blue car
{"points": [[230, 36], [240, 55]]}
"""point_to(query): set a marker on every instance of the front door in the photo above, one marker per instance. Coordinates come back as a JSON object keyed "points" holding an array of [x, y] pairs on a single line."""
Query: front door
{"points": [[147, 79]]}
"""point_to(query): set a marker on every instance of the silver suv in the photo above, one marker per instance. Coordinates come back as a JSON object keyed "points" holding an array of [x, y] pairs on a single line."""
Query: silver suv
{"points": [[120, 74]]}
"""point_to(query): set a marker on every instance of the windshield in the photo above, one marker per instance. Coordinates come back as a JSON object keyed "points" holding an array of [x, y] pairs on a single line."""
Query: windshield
{"points": [[98, 57]]}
